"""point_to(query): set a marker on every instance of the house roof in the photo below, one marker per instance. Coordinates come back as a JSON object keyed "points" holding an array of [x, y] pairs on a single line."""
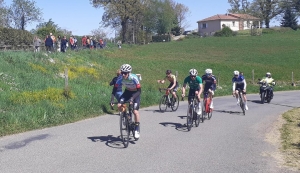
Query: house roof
{"points": [[229, 17]]}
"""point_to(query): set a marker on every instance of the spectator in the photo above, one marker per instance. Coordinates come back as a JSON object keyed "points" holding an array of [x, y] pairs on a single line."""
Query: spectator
{"points": [[72, 43], [58, 42], [54, 40], [48, 43], [88, 42], [63, 44], [101, 43], [75, 42], [37, 44], [91, 43], [83, 41]]}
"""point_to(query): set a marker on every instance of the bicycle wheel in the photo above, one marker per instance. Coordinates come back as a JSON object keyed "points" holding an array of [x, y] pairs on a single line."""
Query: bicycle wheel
{"points": [[163, 104], [124, 129], [175, 104], [189, 117], [209, 110], [202, 117], [242, 105]]}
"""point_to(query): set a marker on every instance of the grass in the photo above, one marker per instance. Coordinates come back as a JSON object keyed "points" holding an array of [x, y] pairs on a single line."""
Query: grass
{"points": [[33, 94], [290, 138]]}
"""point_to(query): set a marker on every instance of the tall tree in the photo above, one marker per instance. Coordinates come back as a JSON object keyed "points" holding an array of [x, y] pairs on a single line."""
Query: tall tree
{"points": [[289, 19], [119, 12], [23, 12], [239, 6], [4, 22], [266, 10], [182, 13]]}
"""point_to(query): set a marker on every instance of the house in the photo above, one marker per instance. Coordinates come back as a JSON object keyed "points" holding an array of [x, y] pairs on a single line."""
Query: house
{"points": [[235, 22]]}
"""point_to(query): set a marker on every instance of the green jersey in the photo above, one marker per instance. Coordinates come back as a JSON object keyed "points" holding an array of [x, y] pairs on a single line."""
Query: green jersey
{"points": [[193, 84]]}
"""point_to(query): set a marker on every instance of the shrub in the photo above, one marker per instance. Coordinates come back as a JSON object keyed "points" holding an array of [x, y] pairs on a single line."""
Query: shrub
{"points": [[225, 32]]}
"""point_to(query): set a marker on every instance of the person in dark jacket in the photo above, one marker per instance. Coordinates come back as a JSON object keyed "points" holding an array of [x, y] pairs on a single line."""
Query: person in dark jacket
{"points": [[49, 43], [119, 89], [63, 44]]}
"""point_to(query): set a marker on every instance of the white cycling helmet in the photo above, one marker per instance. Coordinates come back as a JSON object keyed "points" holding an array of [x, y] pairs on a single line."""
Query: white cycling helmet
{"points": [[193, 72], [126, 68], [208, 71], [236, 72], [268, 74]]}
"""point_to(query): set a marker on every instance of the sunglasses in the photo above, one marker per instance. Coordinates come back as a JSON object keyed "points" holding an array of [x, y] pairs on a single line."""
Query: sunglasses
{"points": [[124, 73], [193, 76], [168, 73]]}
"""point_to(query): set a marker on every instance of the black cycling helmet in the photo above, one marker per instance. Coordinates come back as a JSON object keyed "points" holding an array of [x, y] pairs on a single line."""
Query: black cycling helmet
{"points": [[168, 71]]}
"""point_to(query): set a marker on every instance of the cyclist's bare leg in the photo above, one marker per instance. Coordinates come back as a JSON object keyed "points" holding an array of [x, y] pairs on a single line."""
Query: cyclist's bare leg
{"points": [[237, 94], [174, 94], [136, 115], [119, 107], [210, 95]]}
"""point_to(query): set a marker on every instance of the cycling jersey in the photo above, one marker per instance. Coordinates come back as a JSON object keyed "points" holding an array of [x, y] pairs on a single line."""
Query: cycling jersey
{"points": [[132, 83], [171, 78], [193, 84], [210, 82], [239, 82], [132, 86]]}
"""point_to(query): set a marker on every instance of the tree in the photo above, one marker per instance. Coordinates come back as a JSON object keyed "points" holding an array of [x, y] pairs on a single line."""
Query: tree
{"points": [[23, 12], [99, 33], [119, 12], [181, 12], [4, 22], [266, 10], [289, 19], [239, 6]]}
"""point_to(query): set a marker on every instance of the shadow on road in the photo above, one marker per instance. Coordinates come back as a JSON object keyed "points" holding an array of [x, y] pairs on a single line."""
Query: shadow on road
{"points": [[157, 111], [178, 126], [255, 101], [23, 143], [229, 112], [110, 141]]}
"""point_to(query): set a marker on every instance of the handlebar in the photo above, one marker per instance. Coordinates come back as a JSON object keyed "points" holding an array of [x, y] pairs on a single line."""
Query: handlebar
{"points": [[112, 108]]}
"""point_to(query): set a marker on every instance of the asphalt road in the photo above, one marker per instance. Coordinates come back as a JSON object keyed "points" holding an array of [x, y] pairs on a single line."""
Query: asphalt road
{"points": [[229, 142]]}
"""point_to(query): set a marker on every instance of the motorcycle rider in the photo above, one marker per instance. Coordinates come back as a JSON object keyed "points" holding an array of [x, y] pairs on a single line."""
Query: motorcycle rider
{"points": [[270, 81]]}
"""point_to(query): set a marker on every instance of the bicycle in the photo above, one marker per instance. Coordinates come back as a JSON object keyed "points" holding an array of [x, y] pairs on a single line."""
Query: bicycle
{"points": [[168, 101], [206, 102], [242, 104], [127, 126], [192, 116]]}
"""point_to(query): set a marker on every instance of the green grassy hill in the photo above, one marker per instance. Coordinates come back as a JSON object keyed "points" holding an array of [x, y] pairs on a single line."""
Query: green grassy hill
{"points": [[32, 86]]}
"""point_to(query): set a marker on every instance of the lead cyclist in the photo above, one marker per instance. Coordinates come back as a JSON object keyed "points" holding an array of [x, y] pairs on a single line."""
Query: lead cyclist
{"points": [[131, 93]]}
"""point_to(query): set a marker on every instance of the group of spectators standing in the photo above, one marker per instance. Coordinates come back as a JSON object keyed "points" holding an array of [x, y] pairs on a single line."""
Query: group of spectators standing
{"points": [[92, 43], [59, 44]]}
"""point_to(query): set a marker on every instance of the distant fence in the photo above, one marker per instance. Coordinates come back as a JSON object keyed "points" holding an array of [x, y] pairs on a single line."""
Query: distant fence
{"points": [[21, 47]]}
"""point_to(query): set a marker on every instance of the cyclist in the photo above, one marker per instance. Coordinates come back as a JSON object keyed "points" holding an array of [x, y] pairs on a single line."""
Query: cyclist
{"points": [[239, 82], [173, 83], [210, 85], [196, 88], [270, 81], [132, 93], [118, 92]]}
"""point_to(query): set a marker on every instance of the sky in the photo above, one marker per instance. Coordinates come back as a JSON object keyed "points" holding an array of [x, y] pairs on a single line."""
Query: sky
{"points": [[80, 17]]}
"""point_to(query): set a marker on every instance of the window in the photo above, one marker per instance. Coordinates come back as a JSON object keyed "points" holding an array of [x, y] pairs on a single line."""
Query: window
{"points": [[204, 25], [233, 23]]}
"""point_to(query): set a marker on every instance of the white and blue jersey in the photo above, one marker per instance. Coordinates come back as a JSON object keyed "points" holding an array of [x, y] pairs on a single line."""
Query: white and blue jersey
{"points": [[132, 83], [239, 82]]}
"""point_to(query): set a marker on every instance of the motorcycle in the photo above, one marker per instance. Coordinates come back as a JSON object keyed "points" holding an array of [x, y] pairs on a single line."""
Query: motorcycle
{"points": [[265, 92]]}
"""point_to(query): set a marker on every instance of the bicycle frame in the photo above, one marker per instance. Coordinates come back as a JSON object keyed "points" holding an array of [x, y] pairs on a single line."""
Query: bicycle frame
{"points": [[242, 104], [167, 102]]}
